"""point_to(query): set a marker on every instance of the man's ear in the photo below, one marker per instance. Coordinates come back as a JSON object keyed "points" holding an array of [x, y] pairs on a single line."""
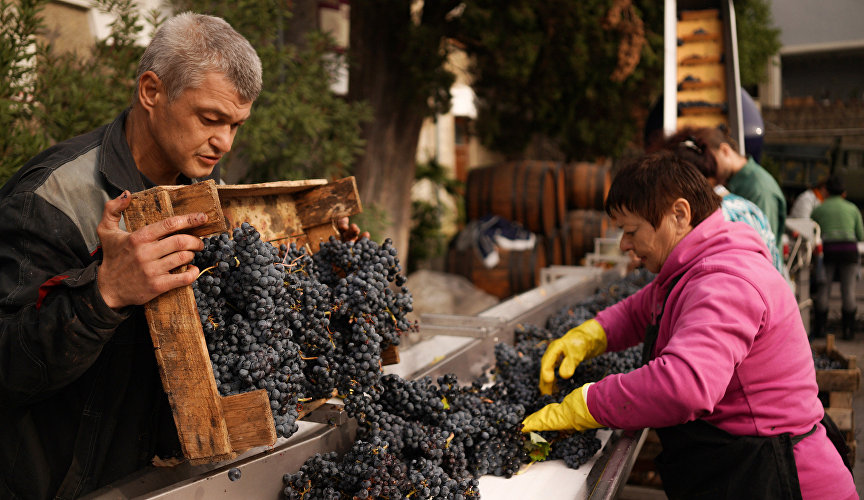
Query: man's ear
{"points": [[150, 90], [682, 214]]}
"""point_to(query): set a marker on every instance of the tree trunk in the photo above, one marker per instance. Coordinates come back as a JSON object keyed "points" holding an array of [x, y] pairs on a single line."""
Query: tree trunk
{"points": [[379, 76]]}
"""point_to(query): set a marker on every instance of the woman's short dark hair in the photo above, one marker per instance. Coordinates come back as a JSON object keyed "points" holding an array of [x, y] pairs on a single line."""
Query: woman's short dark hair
{"points": [[690, 144], [648, 186]]}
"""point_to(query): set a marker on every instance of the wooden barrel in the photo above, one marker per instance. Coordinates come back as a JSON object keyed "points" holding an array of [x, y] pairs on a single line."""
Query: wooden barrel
{"points": [[584, 226], [516, 272], [528, 192], [586, 185], [558, 247]]}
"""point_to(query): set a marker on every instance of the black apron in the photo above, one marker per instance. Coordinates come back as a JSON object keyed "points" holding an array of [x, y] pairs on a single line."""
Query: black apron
{"points": [[702, 461]]}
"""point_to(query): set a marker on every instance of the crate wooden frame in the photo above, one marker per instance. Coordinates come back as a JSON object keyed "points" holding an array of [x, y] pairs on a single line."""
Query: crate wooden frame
{"points": [[211, 427], [840, 384]]}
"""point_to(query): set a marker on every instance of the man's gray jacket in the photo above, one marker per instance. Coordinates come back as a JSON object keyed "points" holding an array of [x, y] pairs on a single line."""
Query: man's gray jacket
{"points": [[81, 402]]}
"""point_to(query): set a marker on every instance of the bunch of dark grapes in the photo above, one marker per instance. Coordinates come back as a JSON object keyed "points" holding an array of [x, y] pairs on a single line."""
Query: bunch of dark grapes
{"points": [[617, 291], [573, 448], [447, 435], [367, 470], [242, 301], [368, 314], [296, 325], [825, 362]]}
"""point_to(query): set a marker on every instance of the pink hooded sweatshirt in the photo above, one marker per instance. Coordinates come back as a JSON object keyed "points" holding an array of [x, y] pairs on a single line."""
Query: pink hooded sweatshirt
{"points": [[731, 350]]}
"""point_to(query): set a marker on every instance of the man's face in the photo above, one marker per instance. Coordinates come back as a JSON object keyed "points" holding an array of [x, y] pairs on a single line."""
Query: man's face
{"points": [[196, 129]]}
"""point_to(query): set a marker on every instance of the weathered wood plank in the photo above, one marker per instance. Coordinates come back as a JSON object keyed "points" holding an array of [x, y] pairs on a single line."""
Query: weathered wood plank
{"points": [[249, 420], [328, 203], [228, 191], [178, 341]]}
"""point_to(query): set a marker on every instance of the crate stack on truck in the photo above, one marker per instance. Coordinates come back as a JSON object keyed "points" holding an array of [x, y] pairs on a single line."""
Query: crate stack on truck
{"points": [[838, 378]]}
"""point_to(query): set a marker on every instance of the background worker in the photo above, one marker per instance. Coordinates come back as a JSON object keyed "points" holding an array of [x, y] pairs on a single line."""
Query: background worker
{"points": [[690, 147], [840, 224], [728, 381], [744, 177], [82, 401], [805, 202]]}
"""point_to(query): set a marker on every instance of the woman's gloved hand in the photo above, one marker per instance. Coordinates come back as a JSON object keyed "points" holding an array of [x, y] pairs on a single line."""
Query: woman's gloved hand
{"points": [[570, 414], [583, 342]]}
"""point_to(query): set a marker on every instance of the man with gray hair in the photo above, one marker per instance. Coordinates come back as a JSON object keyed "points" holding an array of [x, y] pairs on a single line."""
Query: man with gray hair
{"points": [[82, 401]]}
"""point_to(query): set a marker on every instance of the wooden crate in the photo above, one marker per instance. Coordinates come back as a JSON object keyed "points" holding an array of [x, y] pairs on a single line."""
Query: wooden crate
{"points": [[212, 428], [836, 388]]}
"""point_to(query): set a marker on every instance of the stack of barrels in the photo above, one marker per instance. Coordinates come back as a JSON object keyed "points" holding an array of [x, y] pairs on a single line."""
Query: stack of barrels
{"points": [[561, 203]]}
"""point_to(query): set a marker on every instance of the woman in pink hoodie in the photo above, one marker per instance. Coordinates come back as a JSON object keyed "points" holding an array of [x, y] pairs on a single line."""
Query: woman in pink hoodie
{"points": [[728, 380]]}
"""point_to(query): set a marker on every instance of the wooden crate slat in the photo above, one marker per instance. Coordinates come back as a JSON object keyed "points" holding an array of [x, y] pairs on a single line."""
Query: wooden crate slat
{"points": [[200, 197], [840, 400], [390, 356], [249, 420], [283, 215], [323, 206], [272, 215], [841, 380], [838, 380], [228, 191], [178, 341], [843, 417]]}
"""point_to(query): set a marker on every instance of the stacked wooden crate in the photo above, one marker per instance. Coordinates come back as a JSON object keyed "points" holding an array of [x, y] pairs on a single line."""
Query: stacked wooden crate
{"points": [[212, 427], [836, 389], [702, 86]]}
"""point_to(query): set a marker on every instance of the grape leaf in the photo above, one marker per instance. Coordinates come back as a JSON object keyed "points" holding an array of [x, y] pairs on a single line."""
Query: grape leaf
{"points": [[537, 447]]}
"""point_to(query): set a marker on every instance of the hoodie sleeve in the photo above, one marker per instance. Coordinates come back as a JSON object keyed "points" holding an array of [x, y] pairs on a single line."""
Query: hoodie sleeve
{"points": [[713, 326], [625, 322]]}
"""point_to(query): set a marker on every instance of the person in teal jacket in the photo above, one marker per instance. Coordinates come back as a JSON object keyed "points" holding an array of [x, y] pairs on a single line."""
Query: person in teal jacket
{"points": [[746, 178], [687, 145], [842, 229]]}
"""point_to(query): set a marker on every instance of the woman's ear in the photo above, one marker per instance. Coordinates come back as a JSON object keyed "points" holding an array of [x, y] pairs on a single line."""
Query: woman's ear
{"points": [[682, 214]]}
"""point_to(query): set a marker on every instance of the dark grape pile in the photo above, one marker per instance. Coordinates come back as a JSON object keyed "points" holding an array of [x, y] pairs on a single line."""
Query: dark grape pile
{"points": [[446, 435], [296, 325], [825, 362]]}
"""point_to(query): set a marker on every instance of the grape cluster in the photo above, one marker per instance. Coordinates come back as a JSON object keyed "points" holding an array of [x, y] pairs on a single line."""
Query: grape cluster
{"points": [[825, 362], [574, 448], [296, 325], [447, 435]]}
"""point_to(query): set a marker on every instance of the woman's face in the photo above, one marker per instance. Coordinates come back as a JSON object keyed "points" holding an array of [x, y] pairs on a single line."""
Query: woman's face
{"points": [[652, 246]]}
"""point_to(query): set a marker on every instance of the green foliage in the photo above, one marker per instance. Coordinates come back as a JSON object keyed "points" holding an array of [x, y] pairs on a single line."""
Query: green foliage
{"points": [[104, 80], [18, 50], [298, 128], [546, 68], [758, 40], [537, 447], [49, 96], [427, 240], [374, 219]]}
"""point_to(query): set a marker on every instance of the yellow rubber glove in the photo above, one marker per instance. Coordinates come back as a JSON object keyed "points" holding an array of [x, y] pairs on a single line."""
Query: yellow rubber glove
{"points": [[571, 414], [583, 342]]}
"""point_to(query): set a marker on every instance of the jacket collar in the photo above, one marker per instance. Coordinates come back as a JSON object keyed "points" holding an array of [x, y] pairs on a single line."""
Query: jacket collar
{"points": [[116, 163]]}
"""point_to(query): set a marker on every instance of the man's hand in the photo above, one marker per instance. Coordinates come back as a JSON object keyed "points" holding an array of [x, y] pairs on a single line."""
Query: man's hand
{"points": [[136, 267], [349, 232]]}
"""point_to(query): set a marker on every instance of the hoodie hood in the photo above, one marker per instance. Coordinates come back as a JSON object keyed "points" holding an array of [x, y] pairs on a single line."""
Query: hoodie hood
{"points": [[713, 241]]}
